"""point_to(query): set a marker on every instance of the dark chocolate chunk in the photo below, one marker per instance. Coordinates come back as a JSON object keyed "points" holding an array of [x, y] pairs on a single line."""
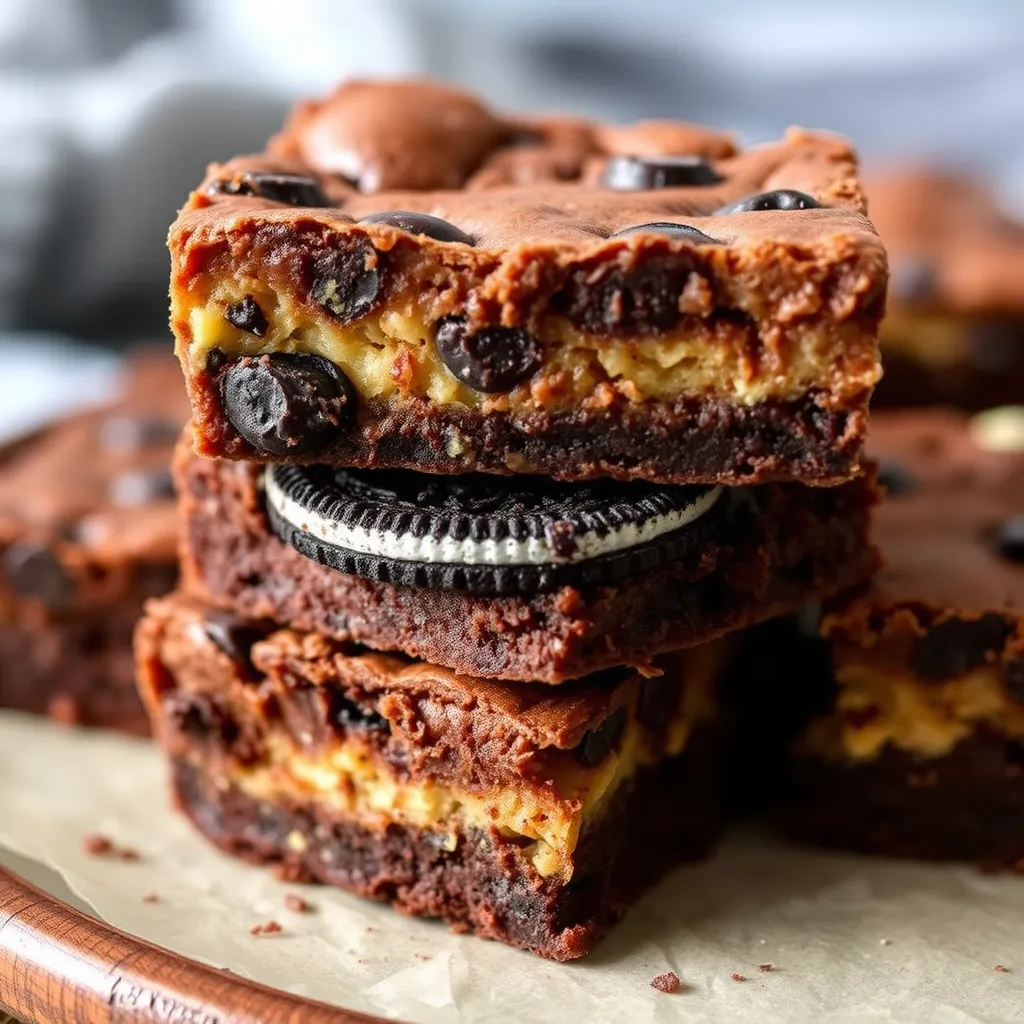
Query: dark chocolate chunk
{"points": [[641, 301], [780, 199], [627, 173], [293, 189], [348, 282], [235, 636], [896, 479], [247, 316], [600, 741], [124, 433], [420, 224], [287, 403], [33, 571], [1009, 539], [665, 227], [349, 520], [659, 698], [489, 359], [200, 717], [141, 486], [956, 646]]}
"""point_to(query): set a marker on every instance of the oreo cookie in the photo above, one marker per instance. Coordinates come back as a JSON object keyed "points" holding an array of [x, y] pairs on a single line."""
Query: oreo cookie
{"points": [[483, 534]]}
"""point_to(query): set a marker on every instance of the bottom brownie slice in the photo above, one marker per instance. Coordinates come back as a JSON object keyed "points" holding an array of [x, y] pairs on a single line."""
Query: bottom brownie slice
{"points": [[914, 739], [514, 811]]}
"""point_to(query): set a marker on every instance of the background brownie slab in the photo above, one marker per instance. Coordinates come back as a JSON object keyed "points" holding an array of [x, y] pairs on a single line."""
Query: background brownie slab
{"points": [[87, 533], [481, 284], [954, 332], [917, 741], [517, 812], [771, 549]]}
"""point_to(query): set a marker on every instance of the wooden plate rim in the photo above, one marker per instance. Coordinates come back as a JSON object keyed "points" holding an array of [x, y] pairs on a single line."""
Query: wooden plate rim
{"points": [[57, 963]]}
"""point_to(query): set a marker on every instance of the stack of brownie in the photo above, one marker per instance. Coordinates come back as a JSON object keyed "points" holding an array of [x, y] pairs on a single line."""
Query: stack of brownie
{"points": [[498, 426]]}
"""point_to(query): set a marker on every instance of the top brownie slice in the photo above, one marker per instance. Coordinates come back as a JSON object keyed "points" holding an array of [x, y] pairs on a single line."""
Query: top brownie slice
{"points": [[407, 279]]}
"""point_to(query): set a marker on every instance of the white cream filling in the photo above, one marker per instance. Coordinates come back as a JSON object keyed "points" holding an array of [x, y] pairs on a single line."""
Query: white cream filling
{"points": [[405, 547]]}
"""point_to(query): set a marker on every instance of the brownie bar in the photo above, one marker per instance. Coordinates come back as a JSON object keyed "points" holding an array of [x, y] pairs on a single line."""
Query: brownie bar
{"points": [[763, 551], [515, 812], [954, 333], [916, 740], [87, 534], [408, 279]]}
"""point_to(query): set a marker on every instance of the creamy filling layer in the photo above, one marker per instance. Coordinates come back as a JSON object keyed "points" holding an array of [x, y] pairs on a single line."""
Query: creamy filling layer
{"points": [[875, 708], [393, 354], [544, 814]]}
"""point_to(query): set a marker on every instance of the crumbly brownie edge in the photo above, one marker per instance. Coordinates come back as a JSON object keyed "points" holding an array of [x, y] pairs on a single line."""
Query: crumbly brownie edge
{"points": [[230, 558], [670, 813], [693, 440], [966, 805]]}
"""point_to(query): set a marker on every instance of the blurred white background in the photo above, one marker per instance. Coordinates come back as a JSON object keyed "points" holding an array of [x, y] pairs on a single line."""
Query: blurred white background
{"points": [[110, 109]]}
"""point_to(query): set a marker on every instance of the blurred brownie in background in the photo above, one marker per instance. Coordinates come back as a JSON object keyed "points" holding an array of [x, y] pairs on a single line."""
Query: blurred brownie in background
{"points": [[87, 533], [954, 332], [915, 744]]}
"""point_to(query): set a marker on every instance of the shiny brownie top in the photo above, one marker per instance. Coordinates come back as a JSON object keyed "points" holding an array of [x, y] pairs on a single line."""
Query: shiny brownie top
{"points": [[433, 162], [952, 247]]}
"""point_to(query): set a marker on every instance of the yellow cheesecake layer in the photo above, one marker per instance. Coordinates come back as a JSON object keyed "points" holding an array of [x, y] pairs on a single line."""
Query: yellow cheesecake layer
{"points": [[392, 353]]}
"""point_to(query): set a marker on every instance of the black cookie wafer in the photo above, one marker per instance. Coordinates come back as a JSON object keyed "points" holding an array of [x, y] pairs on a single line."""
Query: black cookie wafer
{"points": [[483, 534]]}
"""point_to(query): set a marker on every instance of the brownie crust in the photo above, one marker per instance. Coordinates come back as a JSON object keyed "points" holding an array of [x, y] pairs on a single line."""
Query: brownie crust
{"points": [[669, 813], [771, 549]]}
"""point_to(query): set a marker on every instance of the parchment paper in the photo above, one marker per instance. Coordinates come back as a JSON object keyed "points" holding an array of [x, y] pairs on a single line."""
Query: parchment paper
{"points": [[848, 939]]}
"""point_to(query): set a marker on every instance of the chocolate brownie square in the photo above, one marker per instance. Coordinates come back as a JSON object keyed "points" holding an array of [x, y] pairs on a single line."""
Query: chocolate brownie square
{"points": [[408, 279], [87, 534]]}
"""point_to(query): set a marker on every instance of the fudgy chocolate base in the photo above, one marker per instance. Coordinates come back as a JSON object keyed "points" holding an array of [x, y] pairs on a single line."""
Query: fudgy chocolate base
{"points": [[774, 548], [692, 440], [967, 805], [485, 885]]}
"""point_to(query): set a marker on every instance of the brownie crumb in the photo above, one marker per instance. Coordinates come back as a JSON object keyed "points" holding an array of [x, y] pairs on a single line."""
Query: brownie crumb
{"points": [[1002, 968], [739, 977], [151, 897], [765, 968], [297, 904], [295, 874], [421, 956], [127, 853], [667, 982], [96, 845], [267, 928]]}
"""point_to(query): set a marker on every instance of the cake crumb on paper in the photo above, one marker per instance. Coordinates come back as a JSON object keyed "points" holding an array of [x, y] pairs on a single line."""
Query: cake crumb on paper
{"points": [[267, 928], [667, 982], [765, 968], [739, 977], [295, 903], [1002, 968], [151, 897]]}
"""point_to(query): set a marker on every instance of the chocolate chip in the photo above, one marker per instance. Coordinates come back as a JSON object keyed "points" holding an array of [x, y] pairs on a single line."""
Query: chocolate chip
{"points": [[124, 433], [287, 403], [659, 698], [293, 189], [33, 571], [419, 224], [141, 486], [489, 359], [561, 537], [1009, 539], [896, 479], [641, 301], [954, 647], [235, 636], [599, 742], [1013, 679], [780, 199], [664, 227], [247, 316], [348, 282], [628, 173]]}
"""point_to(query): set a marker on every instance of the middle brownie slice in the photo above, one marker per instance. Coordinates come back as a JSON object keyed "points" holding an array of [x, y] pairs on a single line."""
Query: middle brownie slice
{"points": [[512, 578]]}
